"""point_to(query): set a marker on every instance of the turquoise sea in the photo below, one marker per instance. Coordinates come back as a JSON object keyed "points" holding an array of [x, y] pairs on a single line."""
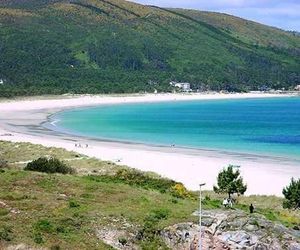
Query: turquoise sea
{"points": [[268, 126]]}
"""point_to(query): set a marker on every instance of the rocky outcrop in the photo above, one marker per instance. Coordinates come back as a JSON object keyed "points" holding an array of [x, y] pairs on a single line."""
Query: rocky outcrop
{"points": [[118, 239], [118, 233], [20, 247], [232, 229], [9, 209]]}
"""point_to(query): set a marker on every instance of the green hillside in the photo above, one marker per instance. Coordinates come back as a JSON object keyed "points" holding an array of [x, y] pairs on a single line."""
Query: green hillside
{"points": [[114, 46]]}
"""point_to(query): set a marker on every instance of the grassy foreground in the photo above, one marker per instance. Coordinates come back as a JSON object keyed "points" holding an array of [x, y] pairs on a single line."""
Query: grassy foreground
{"points": [[70, 211]]}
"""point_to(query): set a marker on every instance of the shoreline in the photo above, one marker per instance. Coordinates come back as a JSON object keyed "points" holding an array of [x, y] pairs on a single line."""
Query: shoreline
{"points": [[264, 175]]}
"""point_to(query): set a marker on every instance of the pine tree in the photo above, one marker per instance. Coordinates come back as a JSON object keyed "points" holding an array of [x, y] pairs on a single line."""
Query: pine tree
{"points": [[292, 195], [230, 182]]}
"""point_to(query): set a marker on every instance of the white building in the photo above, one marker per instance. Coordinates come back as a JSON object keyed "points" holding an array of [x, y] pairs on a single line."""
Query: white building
{"points": [[297, 88], [1, 82], [185, 86]]}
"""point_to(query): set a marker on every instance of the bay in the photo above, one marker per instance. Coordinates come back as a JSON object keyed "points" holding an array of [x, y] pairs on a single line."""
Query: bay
{"points": [[269, 126]]}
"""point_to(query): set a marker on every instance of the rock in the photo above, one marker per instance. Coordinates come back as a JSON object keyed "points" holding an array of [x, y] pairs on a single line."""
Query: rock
{"points": [[180, 236], [118, 239], [231, 229], [275, 245], [261, 246], [3, 204], [280, 229], [295, 246], [237, 223], [250, 228], [62, 197], [21, 247], [239, 238], [207, 221], [11, 209]]}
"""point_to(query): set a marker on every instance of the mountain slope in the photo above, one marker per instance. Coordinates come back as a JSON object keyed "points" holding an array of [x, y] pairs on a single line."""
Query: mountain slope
{"points": [[105, 46]]}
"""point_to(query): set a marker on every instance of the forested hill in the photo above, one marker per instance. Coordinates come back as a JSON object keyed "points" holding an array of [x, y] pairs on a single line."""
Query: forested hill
{"points": [[114, 46]]}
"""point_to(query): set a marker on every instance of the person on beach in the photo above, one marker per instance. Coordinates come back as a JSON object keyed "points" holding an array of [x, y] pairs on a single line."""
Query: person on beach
{"points": [[251, 209]]}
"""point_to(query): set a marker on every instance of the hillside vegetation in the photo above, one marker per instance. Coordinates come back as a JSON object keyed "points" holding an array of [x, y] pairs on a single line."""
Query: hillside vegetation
{"points": [[114, 46]]}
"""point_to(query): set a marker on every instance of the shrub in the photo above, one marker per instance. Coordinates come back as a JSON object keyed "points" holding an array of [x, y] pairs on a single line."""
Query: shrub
{"points": [[292, 195], [5, 234], [37, 238], [138, 178], [122, 241], [180, 191], [207, 198], [3, 164], [44, 226], [150, 233], [3, 211], [151, 228], [73, 204], [50, 166], [161, 214]]}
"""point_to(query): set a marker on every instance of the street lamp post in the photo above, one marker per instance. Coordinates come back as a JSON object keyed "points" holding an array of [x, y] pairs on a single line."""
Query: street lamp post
{"points": [[200, 216]]}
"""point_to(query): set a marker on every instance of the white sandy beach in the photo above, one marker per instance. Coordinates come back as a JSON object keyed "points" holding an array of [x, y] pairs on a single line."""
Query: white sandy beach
{"points": [[20, 121]]}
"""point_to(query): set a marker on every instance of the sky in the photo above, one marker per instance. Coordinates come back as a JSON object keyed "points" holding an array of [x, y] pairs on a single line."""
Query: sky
{"points": [[284, 14]]}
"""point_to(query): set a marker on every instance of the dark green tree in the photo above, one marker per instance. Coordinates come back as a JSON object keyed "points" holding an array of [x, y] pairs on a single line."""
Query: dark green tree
{"points": [[230, 182], [292, 195]]}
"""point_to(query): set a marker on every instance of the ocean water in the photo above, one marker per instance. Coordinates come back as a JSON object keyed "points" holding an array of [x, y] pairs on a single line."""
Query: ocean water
{"points": [[268, 126]]}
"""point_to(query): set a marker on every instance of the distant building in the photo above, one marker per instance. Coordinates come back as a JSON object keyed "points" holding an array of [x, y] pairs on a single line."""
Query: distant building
{"points": [[264, 88], [1, 82], [184, 86], [297, 88], [150, 82]]}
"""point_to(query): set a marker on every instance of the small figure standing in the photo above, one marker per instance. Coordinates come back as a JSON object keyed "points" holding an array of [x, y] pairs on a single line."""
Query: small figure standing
{"points": [[225, 202], [251, 209], [229, 202]]}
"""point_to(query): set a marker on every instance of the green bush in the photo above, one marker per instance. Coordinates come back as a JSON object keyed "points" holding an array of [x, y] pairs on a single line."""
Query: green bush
{"points": [[122, 241], [292, 195], [160, 214], [50, 166], [73, 204], [149, 234], [140, 179], [44, 226], [3, 164], [5, 234], [37, 237], [3, 211]]}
